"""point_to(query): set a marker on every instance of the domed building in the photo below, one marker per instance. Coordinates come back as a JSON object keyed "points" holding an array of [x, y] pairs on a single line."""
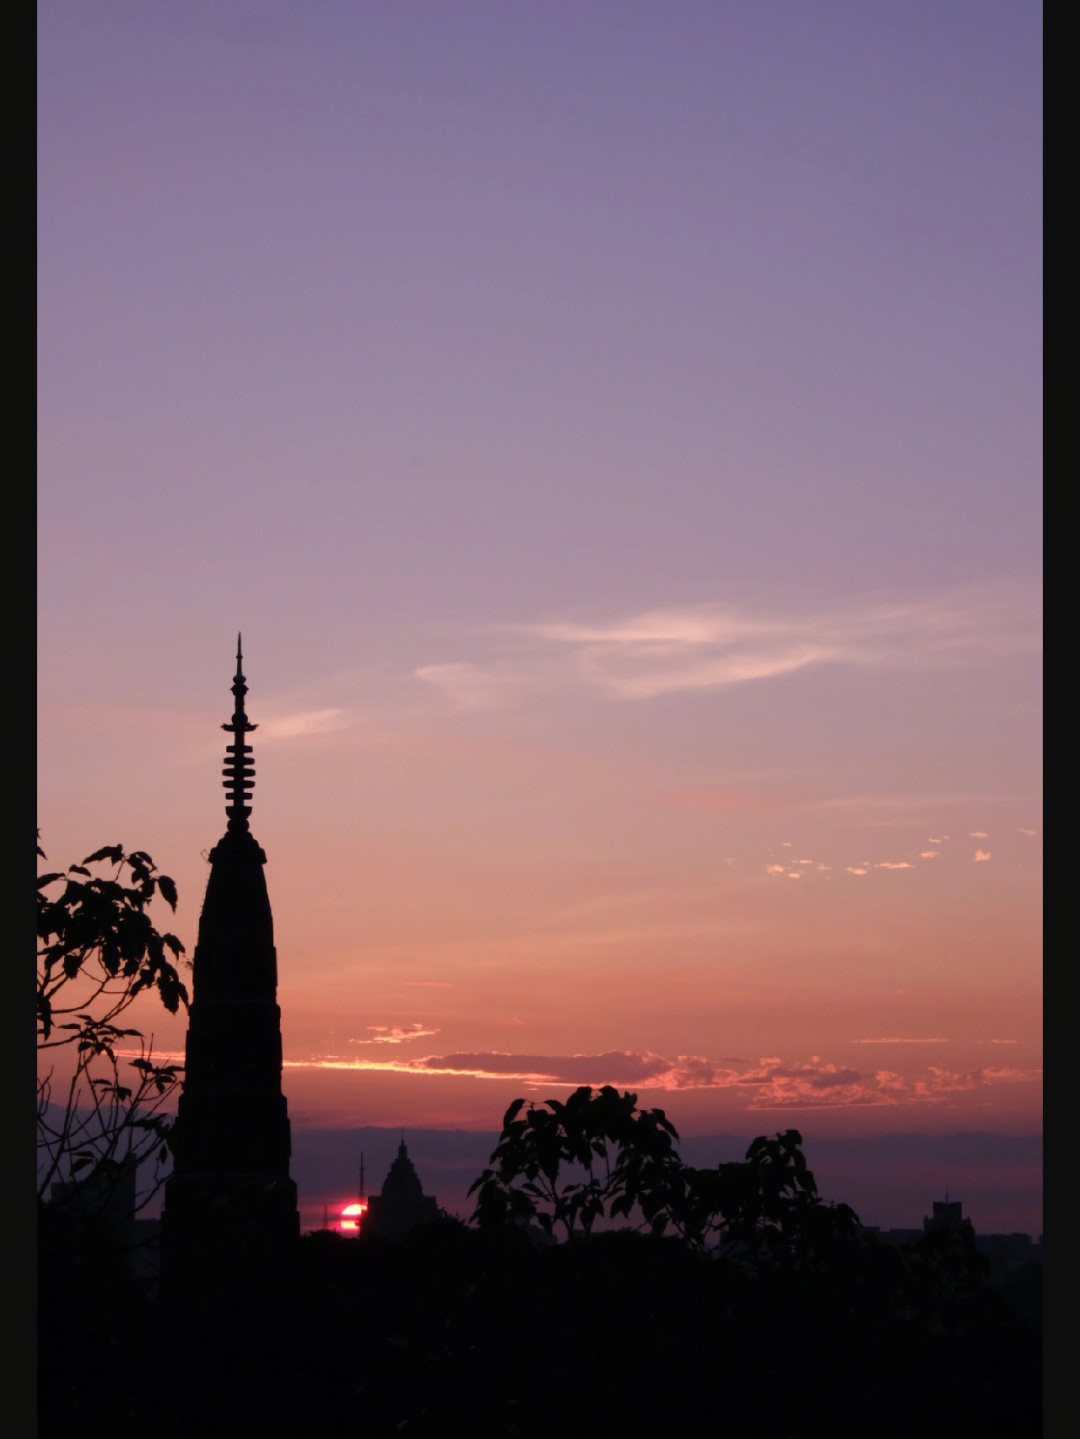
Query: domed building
{"points": [[402, 1204]]}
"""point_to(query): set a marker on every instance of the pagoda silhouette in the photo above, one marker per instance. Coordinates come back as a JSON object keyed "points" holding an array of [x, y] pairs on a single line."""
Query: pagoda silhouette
{"points": [[230, 1194]]}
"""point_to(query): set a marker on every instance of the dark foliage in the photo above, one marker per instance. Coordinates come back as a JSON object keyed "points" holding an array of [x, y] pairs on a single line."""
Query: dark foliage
{"points": [[453, 1331], [101, 1090], [800, 1326], [597, 1157], [591, 1158]]}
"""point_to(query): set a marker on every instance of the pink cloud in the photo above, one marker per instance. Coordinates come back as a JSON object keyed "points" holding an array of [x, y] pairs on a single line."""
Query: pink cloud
{"points": [[827, 1086], [302, 722], [394, 1034], [943, 1082], [981, 854], [710, 646], [893, 1040], [770, 1084]]}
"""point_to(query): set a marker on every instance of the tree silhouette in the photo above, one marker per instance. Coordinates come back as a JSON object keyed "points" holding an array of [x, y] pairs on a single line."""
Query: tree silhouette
{"points": [[593, 1157], [769, 1203], [97, 950], [597, 1156]]}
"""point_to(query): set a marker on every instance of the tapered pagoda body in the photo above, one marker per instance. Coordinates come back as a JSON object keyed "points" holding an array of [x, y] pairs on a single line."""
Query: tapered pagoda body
{"points": [[230, 1192]]}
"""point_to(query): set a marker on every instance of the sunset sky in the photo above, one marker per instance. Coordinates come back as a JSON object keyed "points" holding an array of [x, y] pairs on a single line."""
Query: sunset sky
{"points": [[615, 428]]}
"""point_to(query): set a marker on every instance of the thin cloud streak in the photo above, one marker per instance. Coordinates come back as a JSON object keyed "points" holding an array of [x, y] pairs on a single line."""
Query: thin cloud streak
{"points": [[469, 687], [710, 647], [302, 722], [935, 1039], [770, 1084], [395, 1034]]}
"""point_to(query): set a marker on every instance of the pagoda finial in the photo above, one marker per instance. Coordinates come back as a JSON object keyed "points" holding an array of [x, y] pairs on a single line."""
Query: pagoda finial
{"points": [[239, 771]]}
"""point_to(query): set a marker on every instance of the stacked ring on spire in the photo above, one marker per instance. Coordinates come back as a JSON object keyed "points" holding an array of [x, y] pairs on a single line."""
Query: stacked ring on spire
{"points": [[239, 771]]}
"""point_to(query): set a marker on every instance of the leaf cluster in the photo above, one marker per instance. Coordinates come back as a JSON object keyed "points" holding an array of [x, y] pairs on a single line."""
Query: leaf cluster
{"points": [[98, 928], [596, 1156], [572, 1163], [98, 949]]}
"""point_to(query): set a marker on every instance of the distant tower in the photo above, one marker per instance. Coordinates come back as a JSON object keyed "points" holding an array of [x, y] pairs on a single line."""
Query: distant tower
{"points": [[402, 1205], [230, 1192]]}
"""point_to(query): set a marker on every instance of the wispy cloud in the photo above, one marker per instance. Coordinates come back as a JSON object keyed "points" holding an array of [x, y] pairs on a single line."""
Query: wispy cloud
{"points": [[818, 1086], [942, 1082], [981, 854], [768, 1084], [936, 1039], [617, 1067], [702, 647], [302, 722], [471, 686], [394, 1034]]}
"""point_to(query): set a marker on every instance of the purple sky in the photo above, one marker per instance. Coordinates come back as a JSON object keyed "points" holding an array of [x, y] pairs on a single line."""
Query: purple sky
{"points": [[616, 430]]}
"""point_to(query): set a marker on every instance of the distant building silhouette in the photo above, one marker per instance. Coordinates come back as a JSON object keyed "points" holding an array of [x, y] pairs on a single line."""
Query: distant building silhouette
{"points": [[108, 1197], [230, 1190], [402, 1204], [944, 1216], [1009, 1255]]}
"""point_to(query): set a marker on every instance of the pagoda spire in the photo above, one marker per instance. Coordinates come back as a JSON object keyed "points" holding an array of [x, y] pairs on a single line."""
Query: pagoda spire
{"points": [[239, 772], [232, 1136]]}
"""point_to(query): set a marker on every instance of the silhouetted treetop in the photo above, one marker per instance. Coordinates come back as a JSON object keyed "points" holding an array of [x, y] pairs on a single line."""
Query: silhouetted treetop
{"points": [[598, 1157], [97, 950]]}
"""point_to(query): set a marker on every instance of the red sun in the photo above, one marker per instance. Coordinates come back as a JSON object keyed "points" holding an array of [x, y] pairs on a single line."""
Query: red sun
{"points": [[350, 1217]]}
